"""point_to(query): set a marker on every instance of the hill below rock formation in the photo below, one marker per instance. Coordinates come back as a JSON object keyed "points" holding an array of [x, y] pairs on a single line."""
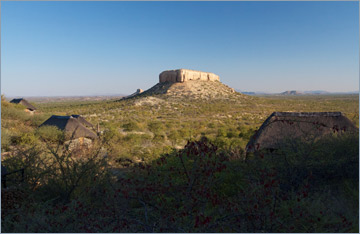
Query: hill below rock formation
{"points": [[194, 89]]}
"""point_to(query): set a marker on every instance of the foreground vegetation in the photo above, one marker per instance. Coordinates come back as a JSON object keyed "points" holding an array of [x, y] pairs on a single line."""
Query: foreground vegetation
{"points": [[178, 166], [198, 189]]}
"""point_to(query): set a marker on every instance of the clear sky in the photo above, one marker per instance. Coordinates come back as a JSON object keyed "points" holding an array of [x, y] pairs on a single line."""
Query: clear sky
{"points": [[91, 48]]}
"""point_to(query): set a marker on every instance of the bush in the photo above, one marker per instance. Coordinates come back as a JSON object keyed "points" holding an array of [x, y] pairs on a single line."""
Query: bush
{"points": [[231, 134], [211, 125], [131, 126], [246, 133], [38, 119], [5, 139], [27, 139], [156, 126], [11, 111], [50, 134], [221, 132], [174, 137]]}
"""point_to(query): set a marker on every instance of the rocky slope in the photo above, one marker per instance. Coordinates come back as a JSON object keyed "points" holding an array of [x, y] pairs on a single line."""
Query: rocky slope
{"points": [[196, 89], [138, 91]]}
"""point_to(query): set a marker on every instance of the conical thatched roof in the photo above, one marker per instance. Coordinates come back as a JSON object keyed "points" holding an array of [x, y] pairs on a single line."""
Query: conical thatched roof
{"points": [[280, 127], [70, 125], [82, 120], [24, 102]]}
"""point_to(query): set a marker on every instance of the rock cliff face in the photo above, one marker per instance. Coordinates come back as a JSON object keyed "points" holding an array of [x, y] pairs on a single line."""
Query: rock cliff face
{"points": [[183, 75]]}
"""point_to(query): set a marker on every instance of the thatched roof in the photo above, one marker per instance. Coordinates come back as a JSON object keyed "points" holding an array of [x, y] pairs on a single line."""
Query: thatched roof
{"points": [[82, 120], [280, 127], [70, 125], [24, 102]]}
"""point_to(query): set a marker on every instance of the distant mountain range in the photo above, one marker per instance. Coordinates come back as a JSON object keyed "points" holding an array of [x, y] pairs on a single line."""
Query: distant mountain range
{"points": [[44, 99], [296, 92], [292, 92], [316, 92]]}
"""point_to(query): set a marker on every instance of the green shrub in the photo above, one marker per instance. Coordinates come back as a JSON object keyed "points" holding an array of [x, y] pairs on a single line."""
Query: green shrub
{"points": [[38, 119], [155, 126], [159, 137], [221, 132], [247, 133], [5, 139], [211, 125], [231, 134], [27, 139], [185, 133], [50, 134], [174, 137], [131, 126], [136, 139], [14, 112]]}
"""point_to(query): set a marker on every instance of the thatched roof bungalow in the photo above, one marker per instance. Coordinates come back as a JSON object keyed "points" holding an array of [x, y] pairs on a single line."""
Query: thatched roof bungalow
{"points": [[280, 127], [83, 121], [25, 103], [70, 125]]}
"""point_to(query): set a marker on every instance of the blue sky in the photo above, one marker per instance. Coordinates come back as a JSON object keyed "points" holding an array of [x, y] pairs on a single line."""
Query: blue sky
{"points": [[88, 48]]}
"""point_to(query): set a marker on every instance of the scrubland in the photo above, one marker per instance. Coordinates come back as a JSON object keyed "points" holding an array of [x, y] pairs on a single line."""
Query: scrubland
{"points": [[166, 164]]}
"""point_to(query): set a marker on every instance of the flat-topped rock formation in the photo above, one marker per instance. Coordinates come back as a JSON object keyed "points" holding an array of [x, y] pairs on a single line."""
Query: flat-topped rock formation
{"points": [[189, 84], [183, 75]]}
